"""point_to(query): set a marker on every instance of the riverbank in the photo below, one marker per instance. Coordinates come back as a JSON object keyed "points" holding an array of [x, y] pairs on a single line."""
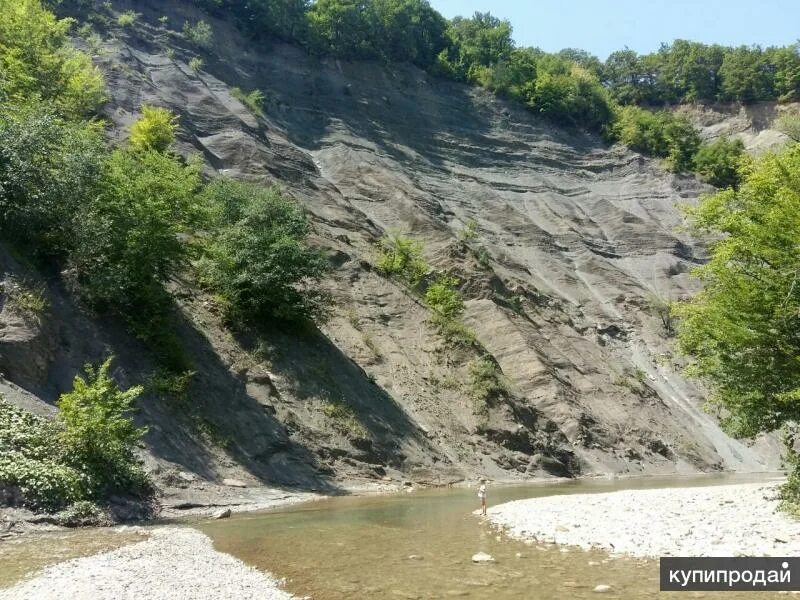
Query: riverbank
{"points": [[196, 500], [174, 563], [725, 520]]}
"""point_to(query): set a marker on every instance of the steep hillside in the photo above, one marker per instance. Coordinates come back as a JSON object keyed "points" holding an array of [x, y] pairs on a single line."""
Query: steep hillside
{"points": [[577, 244], [753, 124]]}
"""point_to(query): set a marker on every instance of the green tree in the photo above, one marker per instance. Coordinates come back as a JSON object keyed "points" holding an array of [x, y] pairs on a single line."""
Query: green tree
{"points": [[689, 71], [623, 74], [475, 44], [99, 436], [570, 94], [341, 28], [48, 168], [742, 329], [746, 75], [718, 162], [36, 61], [258, 259], [786, 64], [659, 133], [127, 242], [154, 130]]}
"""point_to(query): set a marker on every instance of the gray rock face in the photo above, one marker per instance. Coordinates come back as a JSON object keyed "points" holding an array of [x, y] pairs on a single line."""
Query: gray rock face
{"points": [[576, 242]]}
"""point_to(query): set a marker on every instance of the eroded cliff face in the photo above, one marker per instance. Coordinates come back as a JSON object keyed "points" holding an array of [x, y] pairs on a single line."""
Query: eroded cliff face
{"points": [[576, 243]]}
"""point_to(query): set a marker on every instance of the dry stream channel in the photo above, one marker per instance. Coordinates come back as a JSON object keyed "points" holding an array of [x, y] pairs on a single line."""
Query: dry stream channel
{"points": [[411, 545]]}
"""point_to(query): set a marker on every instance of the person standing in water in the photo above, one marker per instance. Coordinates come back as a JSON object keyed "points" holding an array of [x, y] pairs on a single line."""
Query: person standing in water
{"points": [[482, 496]]}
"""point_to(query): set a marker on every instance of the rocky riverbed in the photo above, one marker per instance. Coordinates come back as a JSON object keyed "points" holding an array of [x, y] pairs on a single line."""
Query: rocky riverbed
{"points": [[173, 563], [725, 520]]}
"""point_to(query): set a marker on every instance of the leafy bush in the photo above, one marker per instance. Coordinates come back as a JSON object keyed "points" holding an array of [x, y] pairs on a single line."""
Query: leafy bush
{"points": [[128, 242], [789, 125], [344, 419], [199, 34], [486, 381], [444, 299], [32, 466], [154, 130], [254, 100], [83, 513], [454, 332], [400, 256], [257, 258], [127, 18], [25, 297], [659, 133], [48, 167], [196, 63], [718, 162], [99, 436], [37, 62], [172, 385], [570, 95]]}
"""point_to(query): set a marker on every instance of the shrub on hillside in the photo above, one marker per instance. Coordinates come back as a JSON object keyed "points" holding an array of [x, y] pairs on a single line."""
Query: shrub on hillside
{"points": [[486, 381], [86, 453], [99, 437], [37, 62], [127, 244], [254, 100], [660, 133], [48, 167], [443, 298], [257, 258], [32, 467], [200, 34], [402, 257], [154, 130], [718, 162], [571, 95]]}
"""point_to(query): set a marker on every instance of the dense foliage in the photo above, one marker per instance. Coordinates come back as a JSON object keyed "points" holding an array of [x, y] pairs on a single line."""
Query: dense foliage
{"points": [[661, 134], [36, 61], [257, 259], [718, 162], [48, 167], [691, 72], [86, 453], [127, 244], [742, 328]]}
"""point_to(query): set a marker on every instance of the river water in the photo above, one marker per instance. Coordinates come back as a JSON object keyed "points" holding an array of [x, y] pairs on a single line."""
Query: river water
{"points": [[420, 544], [409, 545]]}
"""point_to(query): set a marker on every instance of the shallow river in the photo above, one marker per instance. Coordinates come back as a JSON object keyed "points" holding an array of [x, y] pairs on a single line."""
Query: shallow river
{"points": [[419, 545], [411, 545]]}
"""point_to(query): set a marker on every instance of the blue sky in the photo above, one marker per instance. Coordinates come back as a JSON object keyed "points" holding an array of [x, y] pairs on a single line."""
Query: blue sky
{"points": [[602, 26]]}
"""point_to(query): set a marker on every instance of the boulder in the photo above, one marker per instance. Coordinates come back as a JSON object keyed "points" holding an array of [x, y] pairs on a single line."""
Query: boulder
{"points": [[222, 514], [234, 483], [482, 557]]}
